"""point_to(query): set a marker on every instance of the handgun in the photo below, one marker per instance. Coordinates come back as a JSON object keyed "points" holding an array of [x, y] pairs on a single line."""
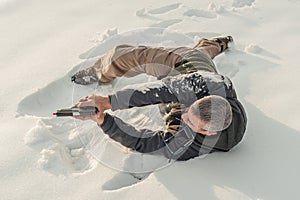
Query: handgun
{"points": [[75, 111]]}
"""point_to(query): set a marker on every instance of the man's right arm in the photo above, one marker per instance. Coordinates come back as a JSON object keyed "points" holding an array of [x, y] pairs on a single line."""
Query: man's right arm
{"points": [[148, 141]]}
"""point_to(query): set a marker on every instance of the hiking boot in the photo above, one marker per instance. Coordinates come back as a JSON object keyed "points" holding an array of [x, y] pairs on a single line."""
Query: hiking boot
{"points": [[223, 41], [85, 77]]}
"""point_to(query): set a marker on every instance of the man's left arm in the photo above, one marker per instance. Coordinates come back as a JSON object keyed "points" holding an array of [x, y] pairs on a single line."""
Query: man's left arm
{"points": [[184, 89]]}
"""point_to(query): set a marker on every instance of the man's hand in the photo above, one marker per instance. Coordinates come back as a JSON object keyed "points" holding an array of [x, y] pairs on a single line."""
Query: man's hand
{"points": [[102, 103]]}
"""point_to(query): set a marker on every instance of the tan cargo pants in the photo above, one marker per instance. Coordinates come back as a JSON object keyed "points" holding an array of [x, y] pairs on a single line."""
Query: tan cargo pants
{"points": [[126, 60]]}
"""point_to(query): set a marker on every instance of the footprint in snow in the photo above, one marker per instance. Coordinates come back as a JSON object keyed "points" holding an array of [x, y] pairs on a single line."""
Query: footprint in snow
{"points": [[62, 146], [164, 9], [242, 3], [200, 13]]}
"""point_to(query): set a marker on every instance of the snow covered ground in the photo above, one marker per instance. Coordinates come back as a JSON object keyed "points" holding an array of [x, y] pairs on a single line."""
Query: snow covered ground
{"points": [[44, 42]]}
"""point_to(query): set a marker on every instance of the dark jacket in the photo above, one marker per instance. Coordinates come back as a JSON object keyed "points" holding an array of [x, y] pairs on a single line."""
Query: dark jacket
{"points": [[184, 144]]}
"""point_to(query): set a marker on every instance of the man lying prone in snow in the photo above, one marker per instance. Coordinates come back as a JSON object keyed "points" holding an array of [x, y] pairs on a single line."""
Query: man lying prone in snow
{"points": [[202, 112]]}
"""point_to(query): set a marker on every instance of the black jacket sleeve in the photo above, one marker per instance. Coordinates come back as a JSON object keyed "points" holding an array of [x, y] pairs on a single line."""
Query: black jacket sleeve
{"points": [[147, 141], [136, 98], [143, 140], [184, 89]]}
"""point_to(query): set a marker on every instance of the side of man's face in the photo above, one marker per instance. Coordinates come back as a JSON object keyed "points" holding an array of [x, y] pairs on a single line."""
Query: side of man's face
{"points": [[195, 123]]}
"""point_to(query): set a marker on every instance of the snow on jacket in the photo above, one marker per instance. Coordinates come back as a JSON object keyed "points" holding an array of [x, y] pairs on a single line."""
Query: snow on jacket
{"points": [[184, 144]]}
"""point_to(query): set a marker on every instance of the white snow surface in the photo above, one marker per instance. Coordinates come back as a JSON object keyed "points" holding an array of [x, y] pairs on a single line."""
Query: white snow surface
{"points": [[44, 42]]}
